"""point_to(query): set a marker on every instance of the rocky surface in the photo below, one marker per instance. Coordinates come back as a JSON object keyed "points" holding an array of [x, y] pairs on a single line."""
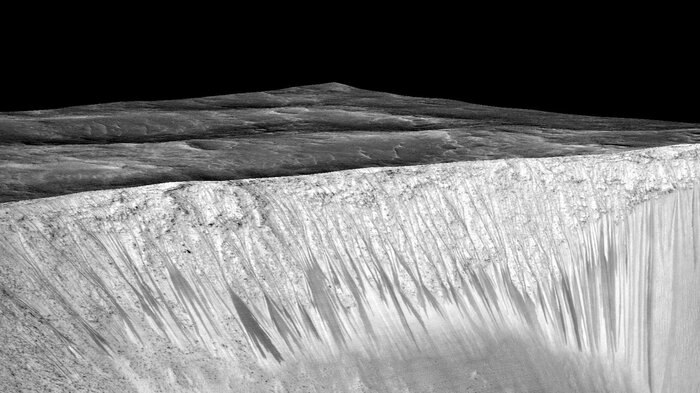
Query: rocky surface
{"points": [[300, 130], [543, 274]]}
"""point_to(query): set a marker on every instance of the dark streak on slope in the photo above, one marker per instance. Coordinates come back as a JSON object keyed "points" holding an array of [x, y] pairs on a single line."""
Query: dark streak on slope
{"points": [[409, 278]]}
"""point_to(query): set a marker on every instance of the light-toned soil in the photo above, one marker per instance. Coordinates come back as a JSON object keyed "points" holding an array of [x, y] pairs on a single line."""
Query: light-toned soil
{"points": [[522, 274]]}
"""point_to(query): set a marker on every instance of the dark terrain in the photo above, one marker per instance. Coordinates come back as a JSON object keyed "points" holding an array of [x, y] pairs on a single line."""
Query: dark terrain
{"points": [[293, 131]]}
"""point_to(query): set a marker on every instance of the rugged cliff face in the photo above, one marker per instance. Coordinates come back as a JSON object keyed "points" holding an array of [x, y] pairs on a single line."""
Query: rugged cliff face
{"points": [[556, 274]]}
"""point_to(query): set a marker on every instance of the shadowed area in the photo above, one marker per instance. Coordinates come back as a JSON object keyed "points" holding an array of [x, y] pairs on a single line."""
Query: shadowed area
{"points": [[293, 131], [567, 274]]}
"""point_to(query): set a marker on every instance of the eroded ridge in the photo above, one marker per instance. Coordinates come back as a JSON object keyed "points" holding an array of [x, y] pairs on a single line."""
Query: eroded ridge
{"points": [[295, 131]]}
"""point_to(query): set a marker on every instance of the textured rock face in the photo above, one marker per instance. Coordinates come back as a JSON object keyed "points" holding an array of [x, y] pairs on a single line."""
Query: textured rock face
{"points": [[293, 131], [553, 274]]}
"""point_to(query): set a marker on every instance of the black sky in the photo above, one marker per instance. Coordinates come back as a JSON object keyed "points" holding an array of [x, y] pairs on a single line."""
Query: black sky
{"points": [[617, 78]]}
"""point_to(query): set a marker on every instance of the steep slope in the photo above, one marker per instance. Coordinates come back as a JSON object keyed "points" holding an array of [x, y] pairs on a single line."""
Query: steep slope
{"points": [[301, 130], [553, 274]]}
